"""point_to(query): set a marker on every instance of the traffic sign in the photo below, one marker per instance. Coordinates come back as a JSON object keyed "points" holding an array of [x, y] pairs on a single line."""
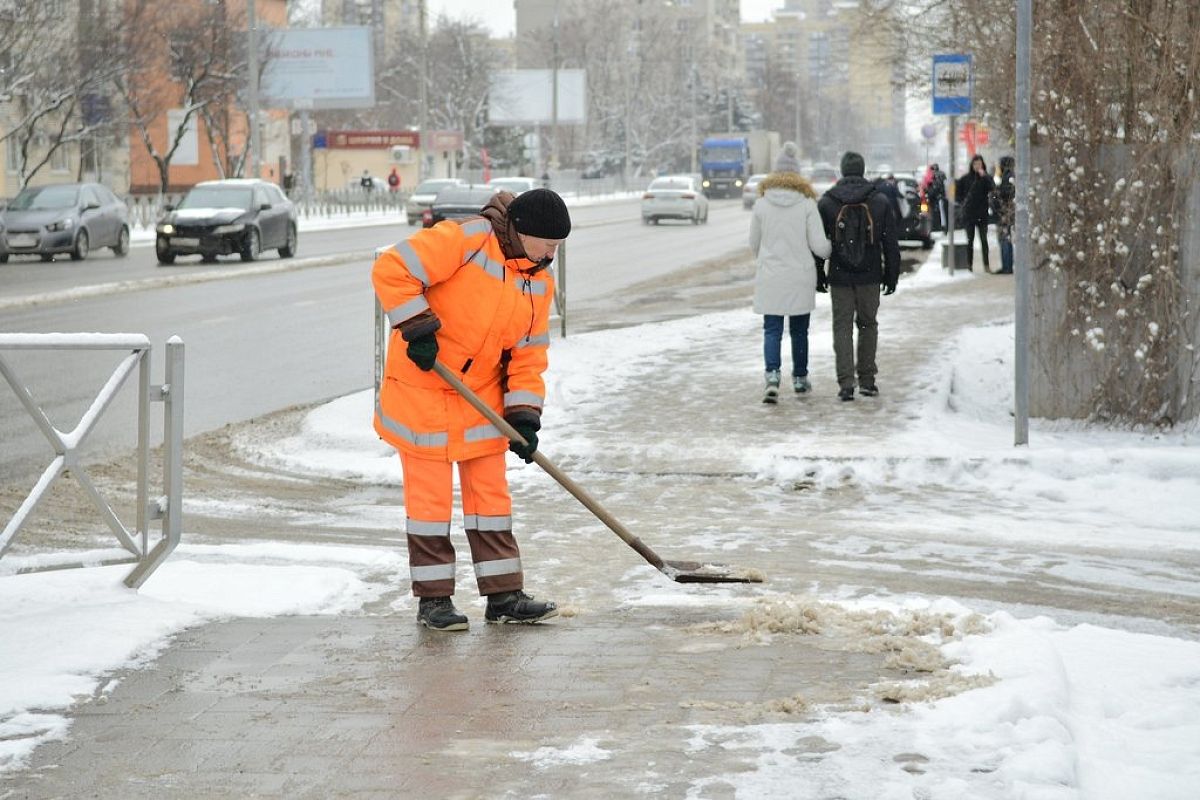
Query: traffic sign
{"points": [[953, 83]]}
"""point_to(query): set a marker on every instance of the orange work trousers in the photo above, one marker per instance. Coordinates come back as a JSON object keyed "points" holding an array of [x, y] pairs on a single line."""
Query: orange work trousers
{"points": [[487, 517]]}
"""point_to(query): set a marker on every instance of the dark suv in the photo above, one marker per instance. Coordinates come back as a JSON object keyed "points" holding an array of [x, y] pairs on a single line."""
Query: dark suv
{"points": [[219, 218], [457, 202]]}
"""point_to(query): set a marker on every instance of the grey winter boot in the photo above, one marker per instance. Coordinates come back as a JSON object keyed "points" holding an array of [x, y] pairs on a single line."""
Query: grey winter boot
{"points": [[771, 394], [800, 384]]}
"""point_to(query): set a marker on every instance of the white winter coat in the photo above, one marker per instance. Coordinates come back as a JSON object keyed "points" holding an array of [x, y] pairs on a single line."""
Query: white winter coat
{"points": [[785, 232]]}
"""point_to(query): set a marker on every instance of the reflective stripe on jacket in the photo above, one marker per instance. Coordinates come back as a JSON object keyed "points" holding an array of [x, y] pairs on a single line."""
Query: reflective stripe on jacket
{"points": [[494, 333]]}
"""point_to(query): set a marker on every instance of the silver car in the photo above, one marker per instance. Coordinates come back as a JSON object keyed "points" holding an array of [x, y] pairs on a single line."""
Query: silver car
{"points": [[674, 197], [423, 197], [70, 218], [750, 190]]}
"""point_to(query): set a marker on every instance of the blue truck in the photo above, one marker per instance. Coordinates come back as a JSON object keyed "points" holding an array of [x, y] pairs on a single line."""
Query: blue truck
{"points": [[727, 160]]}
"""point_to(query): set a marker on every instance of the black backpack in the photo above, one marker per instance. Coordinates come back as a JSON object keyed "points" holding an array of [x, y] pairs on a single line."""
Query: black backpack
{"points": [[853, 235]]}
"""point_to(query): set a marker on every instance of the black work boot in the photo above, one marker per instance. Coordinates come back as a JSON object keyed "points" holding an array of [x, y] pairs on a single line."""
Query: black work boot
{"points": [[518, 607], [439, 614]]}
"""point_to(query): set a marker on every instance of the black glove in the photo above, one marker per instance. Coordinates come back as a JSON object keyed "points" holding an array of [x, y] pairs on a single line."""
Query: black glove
{"points": [[423, 351], [528, 432], [889, 288]]}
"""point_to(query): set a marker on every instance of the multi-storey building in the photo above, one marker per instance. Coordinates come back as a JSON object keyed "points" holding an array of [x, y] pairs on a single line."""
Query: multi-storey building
{"points": [[848, 77]]}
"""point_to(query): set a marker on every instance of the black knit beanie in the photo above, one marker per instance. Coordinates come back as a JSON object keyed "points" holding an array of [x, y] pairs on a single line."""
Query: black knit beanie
{"points": [[853, 164], [540, 213]]}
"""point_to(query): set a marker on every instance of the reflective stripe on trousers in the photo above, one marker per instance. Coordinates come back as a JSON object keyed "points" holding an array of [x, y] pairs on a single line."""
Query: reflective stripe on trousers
{"points": [[487, 514]]}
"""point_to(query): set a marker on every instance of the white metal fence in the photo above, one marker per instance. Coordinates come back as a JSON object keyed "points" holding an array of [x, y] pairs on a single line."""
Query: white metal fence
{"points": [[68, 446]]}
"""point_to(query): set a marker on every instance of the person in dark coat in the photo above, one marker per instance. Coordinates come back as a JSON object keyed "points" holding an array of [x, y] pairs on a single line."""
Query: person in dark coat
{"points": [[972, 191], [855, 287], [1004, 206], [935, 195]]}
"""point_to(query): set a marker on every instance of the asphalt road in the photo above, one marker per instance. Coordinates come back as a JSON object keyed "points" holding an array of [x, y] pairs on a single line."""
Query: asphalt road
{"points": [[280, 332]]}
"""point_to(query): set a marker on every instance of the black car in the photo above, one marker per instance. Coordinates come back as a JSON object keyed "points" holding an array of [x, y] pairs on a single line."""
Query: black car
{"points": [[70, 218], [219, 218], [457, 202], [915, 222]]}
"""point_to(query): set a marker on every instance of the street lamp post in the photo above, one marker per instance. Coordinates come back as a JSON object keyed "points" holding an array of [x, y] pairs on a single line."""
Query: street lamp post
{"points": [[1023, 246], [252, 92]]}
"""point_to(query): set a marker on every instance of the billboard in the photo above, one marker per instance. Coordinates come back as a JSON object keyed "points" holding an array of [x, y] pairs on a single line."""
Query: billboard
{"points": [[318, 68], [523, 97]]}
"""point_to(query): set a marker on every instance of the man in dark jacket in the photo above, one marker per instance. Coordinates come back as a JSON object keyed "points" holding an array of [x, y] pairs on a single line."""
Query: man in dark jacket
{"points": [[862, 227]]}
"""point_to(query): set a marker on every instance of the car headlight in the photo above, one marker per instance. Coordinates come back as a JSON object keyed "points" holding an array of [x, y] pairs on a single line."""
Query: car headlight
{"points": [[236, 228], [61, 225], [705, 184], [166, 228]]}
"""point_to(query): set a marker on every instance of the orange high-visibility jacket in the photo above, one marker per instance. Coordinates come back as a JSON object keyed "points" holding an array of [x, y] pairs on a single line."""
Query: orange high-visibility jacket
{"points": [[494, 333]]}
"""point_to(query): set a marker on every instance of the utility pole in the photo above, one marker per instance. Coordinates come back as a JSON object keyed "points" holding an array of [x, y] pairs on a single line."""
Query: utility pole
{"points": [[1023, 246], [692, 81], [952, 196], [252, 92], [422, 119], [554, 97]]}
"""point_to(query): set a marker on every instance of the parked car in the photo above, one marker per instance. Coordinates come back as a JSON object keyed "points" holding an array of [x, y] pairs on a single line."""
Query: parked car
{"points": [[674, 197], [219, 218], [70, 218], [424, 195], [915, 222], [457, 202], [515, 185], [750, 190]]}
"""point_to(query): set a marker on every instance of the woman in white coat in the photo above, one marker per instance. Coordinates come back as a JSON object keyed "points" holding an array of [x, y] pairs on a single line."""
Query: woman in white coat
{"points": [[785, 233]]}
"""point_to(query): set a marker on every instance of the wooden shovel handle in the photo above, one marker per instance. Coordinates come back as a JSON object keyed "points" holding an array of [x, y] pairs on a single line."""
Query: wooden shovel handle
{"points": [[571, 486]]}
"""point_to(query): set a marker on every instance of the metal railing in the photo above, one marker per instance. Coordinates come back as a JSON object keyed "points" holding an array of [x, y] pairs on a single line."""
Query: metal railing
{"points": [[383, 328], [68, 446]]}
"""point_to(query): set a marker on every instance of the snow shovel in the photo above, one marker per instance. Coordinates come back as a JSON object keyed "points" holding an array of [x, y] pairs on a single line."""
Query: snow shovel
{"points": [[679, 571]]}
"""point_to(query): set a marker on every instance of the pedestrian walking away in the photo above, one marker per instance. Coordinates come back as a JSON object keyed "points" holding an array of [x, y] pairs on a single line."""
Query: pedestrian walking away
{"points": [[473, 294], [393, 180], [785, 234], [973, 190], [861, 227]]}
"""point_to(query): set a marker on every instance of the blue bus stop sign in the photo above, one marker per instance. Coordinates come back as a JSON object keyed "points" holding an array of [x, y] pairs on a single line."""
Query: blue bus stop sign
{"points": [[953, 83]]}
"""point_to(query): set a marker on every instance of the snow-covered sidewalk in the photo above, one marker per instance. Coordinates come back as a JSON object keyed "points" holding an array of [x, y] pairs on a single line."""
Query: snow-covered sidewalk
{"points": [[897, 524]]}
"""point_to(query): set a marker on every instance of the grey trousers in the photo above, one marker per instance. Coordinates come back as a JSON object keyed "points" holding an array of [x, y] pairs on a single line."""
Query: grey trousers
{"points": [[855, 307]]}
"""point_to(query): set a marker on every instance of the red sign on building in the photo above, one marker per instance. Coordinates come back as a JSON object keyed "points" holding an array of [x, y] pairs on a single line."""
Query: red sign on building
{"points": [[370, 140]]}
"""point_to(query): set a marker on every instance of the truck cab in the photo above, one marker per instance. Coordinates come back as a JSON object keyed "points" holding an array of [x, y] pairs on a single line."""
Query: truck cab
{"points": [[725, 165]]}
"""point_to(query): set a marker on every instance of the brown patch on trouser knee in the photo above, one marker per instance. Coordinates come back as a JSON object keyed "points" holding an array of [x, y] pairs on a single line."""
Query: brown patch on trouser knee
{"points": [[491, 547]]}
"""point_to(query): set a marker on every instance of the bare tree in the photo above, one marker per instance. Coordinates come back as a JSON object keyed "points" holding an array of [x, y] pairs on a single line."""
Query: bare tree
{"points": [[1116, 118], [54, 78], [194, 46]]}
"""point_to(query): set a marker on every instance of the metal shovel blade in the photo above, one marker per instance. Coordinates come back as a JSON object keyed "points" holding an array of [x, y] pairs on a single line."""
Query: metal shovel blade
{"points": [[678, 571], [697, 572]]}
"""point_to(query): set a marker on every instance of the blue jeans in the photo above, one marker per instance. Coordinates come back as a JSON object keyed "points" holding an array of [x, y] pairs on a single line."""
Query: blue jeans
{"points": [[773, 337], [1006, 255]]}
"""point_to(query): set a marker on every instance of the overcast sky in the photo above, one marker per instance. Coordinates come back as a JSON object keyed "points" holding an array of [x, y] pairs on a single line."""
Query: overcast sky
{"points": [[498, 15]]}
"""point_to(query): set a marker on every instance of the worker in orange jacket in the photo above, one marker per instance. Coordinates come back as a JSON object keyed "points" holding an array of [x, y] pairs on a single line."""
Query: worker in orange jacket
{"points": [[475, 295]]}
